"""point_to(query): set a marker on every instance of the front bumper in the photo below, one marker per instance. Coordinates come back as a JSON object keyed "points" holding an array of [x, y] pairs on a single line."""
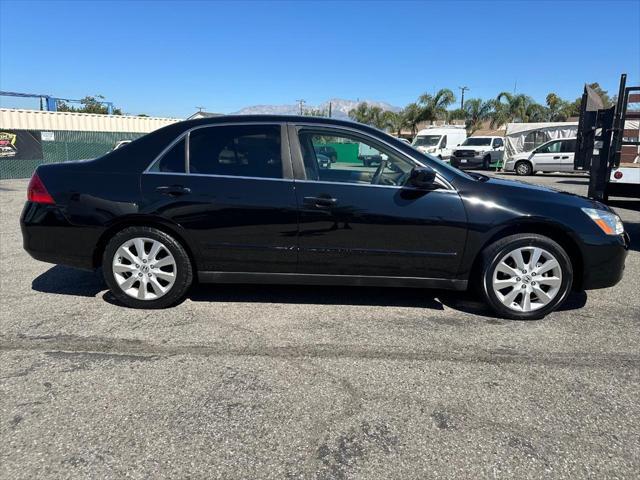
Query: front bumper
{"points": [[466, 162], [604, 263]]}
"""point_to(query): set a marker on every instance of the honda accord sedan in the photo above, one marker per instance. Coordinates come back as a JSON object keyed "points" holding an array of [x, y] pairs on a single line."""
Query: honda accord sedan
{"points": [[243, 199]]}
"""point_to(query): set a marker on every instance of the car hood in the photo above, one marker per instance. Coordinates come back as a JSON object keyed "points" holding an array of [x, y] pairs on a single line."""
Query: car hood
{"points": [[520, 156], [528, 193], [477, 148]]}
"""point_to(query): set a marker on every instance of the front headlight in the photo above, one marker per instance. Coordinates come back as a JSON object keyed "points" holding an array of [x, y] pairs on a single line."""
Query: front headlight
{"points": [[608, 222], [431, 150]]}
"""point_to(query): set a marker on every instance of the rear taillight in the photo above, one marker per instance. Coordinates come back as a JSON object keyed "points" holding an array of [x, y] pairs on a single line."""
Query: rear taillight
{"points": [[617, 175], [36, 191]]}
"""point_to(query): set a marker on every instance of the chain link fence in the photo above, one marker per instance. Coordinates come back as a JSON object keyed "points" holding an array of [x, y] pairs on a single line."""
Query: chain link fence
{"points": [[21, 151]]}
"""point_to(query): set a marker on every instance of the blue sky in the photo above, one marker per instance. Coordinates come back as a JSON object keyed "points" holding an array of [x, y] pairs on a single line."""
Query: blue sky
{"points": [[164, 58]]}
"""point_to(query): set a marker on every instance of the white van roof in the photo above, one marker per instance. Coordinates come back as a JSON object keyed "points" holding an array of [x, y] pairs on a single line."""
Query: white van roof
{"points": [[442, 130]]}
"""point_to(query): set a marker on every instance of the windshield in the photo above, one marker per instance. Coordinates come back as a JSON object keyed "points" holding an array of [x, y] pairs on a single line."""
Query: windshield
{"points": [[426, 140], [477, 142]]}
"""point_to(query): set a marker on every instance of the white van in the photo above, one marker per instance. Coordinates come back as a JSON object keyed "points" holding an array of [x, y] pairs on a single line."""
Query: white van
{"points": [[440, 141]]}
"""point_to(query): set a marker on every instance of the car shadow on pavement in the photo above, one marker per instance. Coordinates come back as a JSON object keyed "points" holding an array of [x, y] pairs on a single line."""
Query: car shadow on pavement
{"points": [[63, 280], [69, 281]]}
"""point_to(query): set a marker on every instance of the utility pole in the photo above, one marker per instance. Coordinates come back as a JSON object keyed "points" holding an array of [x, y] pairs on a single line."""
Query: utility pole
{"points": [[301, 102], [329, 109], [462, 89], [200, 109]]}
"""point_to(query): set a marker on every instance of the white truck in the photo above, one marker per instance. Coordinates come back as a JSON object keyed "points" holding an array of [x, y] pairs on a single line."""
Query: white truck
{"points": [[440, 141]]}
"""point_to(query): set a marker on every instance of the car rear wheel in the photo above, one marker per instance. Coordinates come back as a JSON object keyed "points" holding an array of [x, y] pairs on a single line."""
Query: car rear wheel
{"points": [[525, 276], [146, 268], [524, 168]]}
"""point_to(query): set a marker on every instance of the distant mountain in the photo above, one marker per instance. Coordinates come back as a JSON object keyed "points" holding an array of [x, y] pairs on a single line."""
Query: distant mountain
{"points": [[339, 108]]}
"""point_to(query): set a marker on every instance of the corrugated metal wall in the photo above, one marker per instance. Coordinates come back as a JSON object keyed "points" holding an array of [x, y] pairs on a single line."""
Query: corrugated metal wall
{"points": [[84, 122]]}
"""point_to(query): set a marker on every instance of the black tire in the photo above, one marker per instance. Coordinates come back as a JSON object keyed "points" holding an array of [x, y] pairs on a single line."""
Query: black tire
{"points": [[523, 168], [184, 274], [494, 253], [486, 162]]}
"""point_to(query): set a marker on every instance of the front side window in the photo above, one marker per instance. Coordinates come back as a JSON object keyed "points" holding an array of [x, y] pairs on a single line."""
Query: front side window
{"points": [[172, 161], [553, 147], [356, 160], [444, 142], [237, 150], [497, 143], [569, 146]]}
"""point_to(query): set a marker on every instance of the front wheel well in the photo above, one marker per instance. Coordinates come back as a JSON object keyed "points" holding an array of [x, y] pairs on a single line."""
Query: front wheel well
{"points": [[554, 233], [139, 222]]}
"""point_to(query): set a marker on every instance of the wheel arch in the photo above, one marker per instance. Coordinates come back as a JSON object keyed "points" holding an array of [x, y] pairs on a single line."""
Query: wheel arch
{"points": [[169, 228], [554, 232]]}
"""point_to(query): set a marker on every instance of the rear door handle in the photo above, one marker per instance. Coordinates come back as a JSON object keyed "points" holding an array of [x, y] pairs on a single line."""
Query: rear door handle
{"points": [[173, 190], [320, 202], [564, 158]]}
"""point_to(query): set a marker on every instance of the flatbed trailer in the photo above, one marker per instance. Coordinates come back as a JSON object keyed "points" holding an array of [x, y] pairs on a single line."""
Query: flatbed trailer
{"points": [[601, 142]]}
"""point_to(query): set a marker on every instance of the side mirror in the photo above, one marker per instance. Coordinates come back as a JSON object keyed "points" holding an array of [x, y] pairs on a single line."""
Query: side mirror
{"points": [[423, 178]]}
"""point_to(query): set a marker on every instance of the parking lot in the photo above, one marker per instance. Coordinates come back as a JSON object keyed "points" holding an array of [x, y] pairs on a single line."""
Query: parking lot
{"points": [[312, 382]]}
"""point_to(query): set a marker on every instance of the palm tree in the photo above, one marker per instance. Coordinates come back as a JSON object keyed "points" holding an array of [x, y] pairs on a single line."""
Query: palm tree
{"points": [[558, 110], [434, 107], [510, 107], [476, 112], [411, 114], [396, 121], [360, 113]]}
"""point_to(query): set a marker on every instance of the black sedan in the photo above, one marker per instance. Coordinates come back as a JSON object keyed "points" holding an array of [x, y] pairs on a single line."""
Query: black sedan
{"points": [[243, 199]]}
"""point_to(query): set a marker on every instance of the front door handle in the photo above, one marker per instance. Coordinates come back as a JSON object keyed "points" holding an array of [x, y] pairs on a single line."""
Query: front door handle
{"points": [[173, 190], [320, 202], [556, 158]]}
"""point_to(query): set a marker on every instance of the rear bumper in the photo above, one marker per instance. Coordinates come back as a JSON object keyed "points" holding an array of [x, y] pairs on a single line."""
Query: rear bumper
{"points": [[48, 236], [604, 263]]}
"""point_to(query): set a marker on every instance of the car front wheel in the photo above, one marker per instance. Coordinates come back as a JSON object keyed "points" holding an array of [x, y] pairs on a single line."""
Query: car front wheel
{"points": [[525, 276], [524, 168], [146, 268]]}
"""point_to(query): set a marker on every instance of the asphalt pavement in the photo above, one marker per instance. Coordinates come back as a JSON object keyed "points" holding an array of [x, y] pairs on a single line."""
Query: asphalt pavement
{"points": [[295, 382]]}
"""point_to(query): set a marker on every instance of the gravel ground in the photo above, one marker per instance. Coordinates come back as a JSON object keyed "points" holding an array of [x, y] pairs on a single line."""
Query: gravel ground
{"points": [[308, 382]]}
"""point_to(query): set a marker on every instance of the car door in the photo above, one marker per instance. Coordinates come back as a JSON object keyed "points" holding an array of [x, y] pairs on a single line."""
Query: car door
{"points": [[547, 157], [360, 220], [567, 153], [230, 190]]}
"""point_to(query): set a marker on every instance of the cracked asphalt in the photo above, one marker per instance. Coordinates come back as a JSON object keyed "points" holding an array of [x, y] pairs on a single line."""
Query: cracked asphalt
{"points": [[295, 382]]}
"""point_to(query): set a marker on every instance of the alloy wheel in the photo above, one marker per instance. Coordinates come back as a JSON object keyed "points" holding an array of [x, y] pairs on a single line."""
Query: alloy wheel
{"points": [[527, 279], [144, 268]]}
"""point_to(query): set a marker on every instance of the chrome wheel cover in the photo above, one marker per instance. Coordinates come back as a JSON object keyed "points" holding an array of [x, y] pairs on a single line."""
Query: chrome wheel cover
{"points": [[144, 268], [527, 279]]}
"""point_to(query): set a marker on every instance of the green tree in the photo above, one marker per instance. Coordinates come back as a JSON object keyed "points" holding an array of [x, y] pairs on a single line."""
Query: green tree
{"points": [[434, 107], [558, 110], [90, 104], [369, 115]]}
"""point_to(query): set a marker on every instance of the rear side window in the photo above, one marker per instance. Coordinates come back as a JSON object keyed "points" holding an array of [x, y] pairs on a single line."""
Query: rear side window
{"points": [[239, 151], [172, 161]]}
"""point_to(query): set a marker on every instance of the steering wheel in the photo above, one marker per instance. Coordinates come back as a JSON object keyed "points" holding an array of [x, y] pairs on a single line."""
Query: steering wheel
{"points": [[375, 180]]}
